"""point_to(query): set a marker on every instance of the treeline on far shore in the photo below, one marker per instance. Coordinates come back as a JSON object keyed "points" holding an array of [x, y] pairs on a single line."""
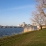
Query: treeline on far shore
{"points": [[10, 27]]}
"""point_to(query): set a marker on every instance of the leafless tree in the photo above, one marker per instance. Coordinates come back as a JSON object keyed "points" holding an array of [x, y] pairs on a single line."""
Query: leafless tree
{"points": [[41, 6], [39, 17]]}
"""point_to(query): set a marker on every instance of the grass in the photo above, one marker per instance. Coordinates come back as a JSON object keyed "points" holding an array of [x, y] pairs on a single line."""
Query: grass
{"points": [[35, 38]]}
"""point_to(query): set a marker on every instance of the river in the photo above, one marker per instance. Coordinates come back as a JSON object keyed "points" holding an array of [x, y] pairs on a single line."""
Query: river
{"points": [[10, 31]]}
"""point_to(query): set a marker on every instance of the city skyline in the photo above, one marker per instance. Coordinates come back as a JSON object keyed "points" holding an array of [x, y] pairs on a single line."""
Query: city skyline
{"points": [[14, 12]]}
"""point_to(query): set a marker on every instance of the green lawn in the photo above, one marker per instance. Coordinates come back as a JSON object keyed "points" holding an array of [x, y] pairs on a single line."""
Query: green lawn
{"points": [[35, 38]]}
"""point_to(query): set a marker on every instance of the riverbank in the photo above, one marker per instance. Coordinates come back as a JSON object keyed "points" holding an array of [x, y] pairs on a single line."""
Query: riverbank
{"points": [[35, 38]]}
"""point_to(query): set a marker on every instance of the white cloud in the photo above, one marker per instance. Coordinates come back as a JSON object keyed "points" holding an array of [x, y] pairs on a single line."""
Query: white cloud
{"points": [[21, 7]]}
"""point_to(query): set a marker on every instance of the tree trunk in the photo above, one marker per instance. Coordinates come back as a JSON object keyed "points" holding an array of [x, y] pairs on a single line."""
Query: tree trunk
{"points": [[41, 27]]}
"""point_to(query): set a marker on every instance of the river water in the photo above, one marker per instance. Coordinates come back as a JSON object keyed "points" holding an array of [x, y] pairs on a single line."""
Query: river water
{"points": [[10, 31]]}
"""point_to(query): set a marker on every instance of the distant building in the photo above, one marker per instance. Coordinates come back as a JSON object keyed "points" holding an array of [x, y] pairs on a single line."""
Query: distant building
{"points": [[30, 28], [34, 24], [22, 25]]}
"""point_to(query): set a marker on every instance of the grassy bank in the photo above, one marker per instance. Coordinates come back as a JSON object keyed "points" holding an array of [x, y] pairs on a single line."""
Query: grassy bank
{"points": [[35, 38]]}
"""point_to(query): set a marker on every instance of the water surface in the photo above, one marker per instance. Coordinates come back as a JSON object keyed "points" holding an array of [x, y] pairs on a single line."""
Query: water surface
{"points": [[10, 31]]}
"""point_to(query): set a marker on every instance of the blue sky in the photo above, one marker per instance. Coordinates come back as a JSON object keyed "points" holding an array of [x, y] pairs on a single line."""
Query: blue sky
{"points": [[14, 12]]}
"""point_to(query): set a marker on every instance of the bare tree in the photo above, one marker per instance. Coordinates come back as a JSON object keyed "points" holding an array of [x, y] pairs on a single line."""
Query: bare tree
{"points": [[41, 6], [39, 17]]}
